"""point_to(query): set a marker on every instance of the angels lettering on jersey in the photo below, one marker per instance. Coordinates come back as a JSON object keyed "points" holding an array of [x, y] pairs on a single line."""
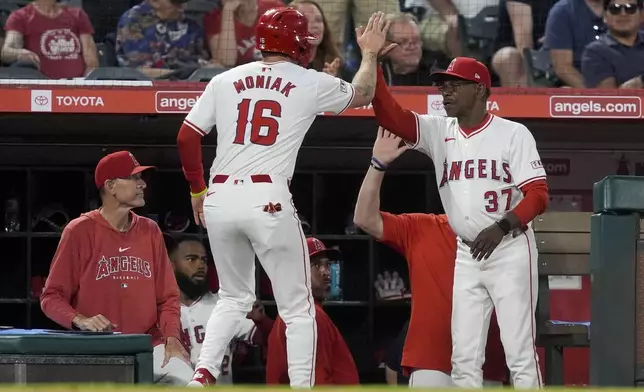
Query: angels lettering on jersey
{"points": [[489, 169], [122, 267]]}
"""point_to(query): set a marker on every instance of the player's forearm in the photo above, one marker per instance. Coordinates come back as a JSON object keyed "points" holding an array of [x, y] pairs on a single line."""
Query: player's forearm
{"points": [[170, 320], [390, 115], [534, 203], [189, 144], [56, 308], [227, 47], [364, 82], [367, 213]]}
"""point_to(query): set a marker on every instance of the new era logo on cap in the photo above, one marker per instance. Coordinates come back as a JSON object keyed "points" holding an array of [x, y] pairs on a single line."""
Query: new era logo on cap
{"points": [[465, 68], [136, 163]]}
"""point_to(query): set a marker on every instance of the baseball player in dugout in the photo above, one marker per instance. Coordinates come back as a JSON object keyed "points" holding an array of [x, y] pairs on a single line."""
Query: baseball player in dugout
{"points": [[189, 257], [429, 245], [492, 185], [111, 271], [333, 364], [262, 111]]}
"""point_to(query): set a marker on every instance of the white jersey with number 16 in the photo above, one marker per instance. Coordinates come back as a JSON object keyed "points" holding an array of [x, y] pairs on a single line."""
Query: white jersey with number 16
{"points": [[262, 112]]}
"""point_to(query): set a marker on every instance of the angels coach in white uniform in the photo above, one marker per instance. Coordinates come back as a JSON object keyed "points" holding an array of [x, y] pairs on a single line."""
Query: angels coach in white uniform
{"points": [[262, 111], [492, 185]]}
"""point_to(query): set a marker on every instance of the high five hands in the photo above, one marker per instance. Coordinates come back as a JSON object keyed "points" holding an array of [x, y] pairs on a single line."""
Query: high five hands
{"points": [[373, 38], [388, 146]]}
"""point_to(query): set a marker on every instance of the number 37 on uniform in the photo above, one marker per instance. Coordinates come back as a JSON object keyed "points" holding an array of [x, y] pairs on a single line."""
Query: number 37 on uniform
{"points": [[498, 201]]}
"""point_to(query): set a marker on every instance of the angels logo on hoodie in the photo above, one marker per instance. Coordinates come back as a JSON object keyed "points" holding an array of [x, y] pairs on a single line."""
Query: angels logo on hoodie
{"points": [[115, 266]]}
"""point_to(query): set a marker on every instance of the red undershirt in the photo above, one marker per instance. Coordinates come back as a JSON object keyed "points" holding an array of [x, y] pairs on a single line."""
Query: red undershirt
{"points": [[189, 144]]}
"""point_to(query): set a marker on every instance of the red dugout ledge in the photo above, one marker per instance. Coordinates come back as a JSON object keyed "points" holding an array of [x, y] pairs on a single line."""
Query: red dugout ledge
{"points": [[135, 97]]}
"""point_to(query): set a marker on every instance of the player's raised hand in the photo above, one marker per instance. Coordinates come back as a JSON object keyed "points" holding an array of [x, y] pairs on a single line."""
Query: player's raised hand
{"points": [[372, 38], [388, 146], [197, 209]]}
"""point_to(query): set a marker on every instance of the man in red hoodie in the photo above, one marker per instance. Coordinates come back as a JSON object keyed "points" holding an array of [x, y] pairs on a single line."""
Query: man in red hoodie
{"points": [[111, 271], [333, 363]]}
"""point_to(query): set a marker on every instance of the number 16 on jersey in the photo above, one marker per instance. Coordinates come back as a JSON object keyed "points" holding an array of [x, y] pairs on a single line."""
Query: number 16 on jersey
{"points": [[262, 116]]}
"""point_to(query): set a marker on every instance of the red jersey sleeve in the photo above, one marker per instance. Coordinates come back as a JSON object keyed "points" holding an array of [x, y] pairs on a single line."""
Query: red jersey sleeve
{"points": [[212, 23], [84, 24], [390, 115], [16, 21], [397, 230], [276, 364], [62, 283], [167, 290]]}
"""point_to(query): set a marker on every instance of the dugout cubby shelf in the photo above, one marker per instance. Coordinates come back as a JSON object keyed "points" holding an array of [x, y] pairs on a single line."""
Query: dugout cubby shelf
{"points": [[325, 200]]}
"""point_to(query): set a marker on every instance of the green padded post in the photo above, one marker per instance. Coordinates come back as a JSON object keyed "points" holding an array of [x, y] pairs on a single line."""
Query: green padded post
{"points": [[612, 317], [144, 368], [618, 203]]}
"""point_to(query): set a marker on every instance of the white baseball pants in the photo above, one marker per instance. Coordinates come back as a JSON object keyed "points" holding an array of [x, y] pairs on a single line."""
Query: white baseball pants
{"points": [[176, 373], [238, 229], [507, 282]]}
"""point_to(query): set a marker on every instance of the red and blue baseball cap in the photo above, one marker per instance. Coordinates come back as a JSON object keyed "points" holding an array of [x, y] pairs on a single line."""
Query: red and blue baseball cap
{"points": [[465, 68], [317, 247], [120, 164]]}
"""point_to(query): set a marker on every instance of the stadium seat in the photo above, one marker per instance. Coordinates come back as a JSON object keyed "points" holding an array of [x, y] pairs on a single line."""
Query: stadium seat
{"points": [[106, 54], [21, 73], [538, 68], [205, 74], [480, 32], [116, 73]]}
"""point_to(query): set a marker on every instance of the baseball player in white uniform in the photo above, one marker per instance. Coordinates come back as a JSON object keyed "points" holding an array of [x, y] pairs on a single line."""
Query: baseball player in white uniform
{"points": [[189, 261], [492, 185], [262, 111]]}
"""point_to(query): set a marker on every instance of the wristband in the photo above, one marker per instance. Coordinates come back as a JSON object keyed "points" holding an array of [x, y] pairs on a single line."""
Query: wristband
{"points": [[504, 224], [199, 194], [376, 164]]}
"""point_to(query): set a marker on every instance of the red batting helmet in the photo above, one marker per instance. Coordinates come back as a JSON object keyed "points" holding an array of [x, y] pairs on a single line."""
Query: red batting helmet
{"points": [[286, 31]]}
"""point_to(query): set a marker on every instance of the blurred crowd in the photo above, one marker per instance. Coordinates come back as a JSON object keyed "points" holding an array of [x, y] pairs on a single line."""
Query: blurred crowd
{"points": [[527, 43]]}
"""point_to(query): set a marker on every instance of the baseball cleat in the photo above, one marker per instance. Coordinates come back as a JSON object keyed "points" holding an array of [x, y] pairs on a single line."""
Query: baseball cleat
{"points": [[202, 378]]}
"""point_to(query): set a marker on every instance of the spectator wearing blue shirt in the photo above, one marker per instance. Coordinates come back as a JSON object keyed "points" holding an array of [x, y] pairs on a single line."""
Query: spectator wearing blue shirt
{"points": [[571, 25], [616, 59], [157, 38]]}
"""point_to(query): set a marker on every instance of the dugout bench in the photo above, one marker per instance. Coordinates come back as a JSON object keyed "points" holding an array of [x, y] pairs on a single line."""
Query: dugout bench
{"points": [[563, 241], [45, 356]]}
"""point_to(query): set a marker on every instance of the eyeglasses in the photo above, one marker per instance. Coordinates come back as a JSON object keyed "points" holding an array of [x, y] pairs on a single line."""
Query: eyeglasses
{"points": [[616, 9], [453, 86], [409, 43]]}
